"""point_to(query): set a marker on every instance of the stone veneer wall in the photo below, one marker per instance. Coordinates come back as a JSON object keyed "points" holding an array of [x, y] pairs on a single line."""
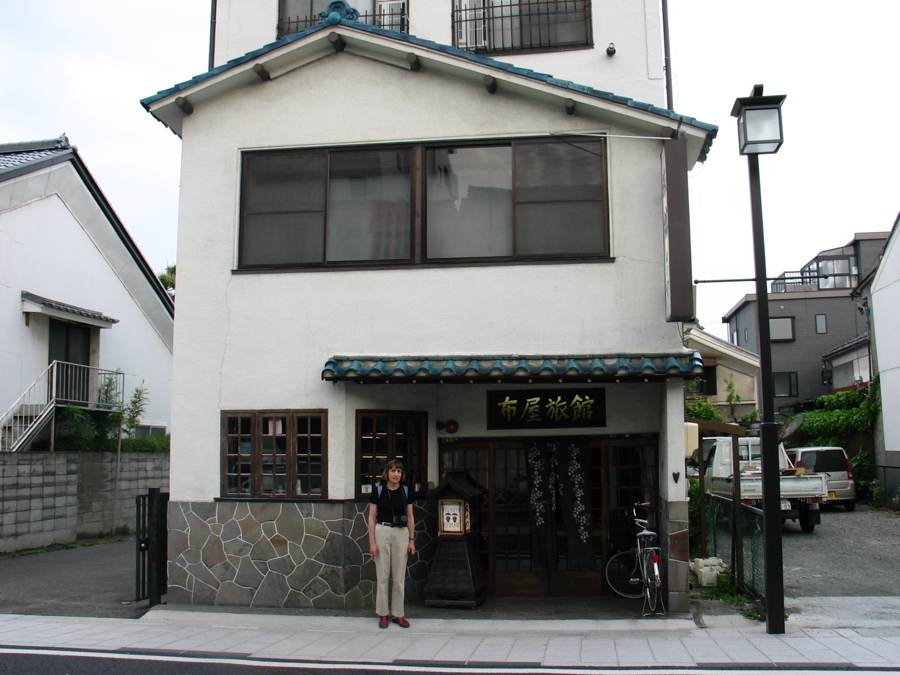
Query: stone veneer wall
{"points": [[676, 548], [51, 498], [282, 554]]}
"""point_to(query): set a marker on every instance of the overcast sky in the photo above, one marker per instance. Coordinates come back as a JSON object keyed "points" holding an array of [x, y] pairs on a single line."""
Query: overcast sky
{"points": [[81, 68]]}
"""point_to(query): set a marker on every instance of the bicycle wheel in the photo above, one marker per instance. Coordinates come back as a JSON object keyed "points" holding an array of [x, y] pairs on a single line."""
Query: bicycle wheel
{"points": [[650, 571], [623, 574]]}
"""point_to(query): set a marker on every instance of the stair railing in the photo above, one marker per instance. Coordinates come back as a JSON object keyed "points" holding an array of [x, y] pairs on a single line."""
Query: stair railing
{"points": [[60, 384]]}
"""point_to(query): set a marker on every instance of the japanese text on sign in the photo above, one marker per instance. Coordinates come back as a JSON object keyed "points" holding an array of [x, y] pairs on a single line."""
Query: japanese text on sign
{"points": [[546, 409]]}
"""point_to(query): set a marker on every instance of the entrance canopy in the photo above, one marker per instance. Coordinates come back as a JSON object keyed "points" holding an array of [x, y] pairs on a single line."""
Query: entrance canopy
{"points": [[36, 304], [512, 368]]}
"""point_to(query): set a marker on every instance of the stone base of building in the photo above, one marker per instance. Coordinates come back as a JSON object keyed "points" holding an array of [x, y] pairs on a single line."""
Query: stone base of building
{"points": [[280, 554], [676, 546], [316, 554]]}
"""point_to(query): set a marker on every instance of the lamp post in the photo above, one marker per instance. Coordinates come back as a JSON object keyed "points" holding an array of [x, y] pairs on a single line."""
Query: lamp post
{"points": [[760, 132]]}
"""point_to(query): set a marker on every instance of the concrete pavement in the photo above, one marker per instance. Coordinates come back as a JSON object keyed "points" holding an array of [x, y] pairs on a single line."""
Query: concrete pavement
{"points": [[821, 634], [94, 587]]}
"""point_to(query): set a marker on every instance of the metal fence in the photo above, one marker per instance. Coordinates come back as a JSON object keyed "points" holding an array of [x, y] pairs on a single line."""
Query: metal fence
{"points": [[60, 384], [151, 543], [390, 16], [744, 554], [521, 25]]}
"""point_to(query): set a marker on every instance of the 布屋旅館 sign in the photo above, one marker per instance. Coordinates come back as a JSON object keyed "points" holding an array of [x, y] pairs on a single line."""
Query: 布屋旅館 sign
{"points": [[546, 409]]}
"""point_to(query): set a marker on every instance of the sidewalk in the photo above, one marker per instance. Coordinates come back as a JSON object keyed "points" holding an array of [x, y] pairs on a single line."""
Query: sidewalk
{"points": [[821, 634]]}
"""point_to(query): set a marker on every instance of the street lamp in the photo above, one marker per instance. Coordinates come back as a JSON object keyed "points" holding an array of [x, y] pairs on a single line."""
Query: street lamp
{"points": [[760, 132]]}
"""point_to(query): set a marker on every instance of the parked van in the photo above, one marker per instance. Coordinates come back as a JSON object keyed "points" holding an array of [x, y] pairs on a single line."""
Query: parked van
{"points": [[834, 464]]}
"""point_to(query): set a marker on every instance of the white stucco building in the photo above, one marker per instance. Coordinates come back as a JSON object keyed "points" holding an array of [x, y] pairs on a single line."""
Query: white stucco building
{"points": [[393, 247], [882, 291], [724, 362], [74, 289]]}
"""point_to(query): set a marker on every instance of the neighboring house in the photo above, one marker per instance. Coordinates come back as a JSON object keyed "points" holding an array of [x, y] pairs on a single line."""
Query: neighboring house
{"points": [[848, 363], [879, 303], [810, 312], [77, 299], [394, 248], [724, 362]]}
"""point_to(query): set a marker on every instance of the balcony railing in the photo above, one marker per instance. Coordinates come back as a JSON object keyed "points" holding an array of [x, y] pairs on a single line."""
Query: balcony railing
{"points": [[507, 26], [390, 16], [60, 384], [804, 280]]}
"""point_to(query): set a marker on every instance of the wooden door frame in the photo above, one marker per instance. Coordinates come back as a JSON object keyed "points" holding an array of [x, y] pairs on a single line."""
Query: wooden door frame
{"points": [[582, 580]]}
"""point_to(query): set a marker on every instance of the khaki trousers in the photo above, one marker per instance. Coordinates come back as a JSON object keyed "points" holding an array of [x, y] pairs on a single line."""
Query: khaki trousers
{"points": [[393, 551]]}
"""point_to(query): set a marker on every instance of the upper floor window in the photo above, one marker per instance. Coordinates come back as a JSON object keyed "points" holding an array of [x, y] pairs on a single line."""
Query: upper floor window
{"points": [[821, 323], [785, 385], [297, 15], [781, 329], [494, 26], [274, 454], [706, 385], [493, 202]]}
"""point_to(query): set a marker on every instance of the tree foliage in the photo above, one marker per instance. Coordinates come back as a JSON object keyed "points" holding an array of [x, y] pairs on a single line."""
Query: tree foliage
{"points": [[697, 405], [167, 277], [734, 401], [135, 409], [702, 408], [832, 418]]}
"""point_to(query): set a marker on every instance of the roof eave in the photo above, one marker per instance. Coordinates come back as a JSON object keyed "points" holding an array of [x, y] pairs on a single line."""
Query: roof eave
{"points": [[288, 54]]}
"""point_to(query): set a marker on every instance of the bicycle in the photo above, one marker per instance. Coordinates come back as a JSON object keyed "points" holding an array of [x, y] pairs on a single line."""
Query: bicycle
{"points": [[635, 573]]}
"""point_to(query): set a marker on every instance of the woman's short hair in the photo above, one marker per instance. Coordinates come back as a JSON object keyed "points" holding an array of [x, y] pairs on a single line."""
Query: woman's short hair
{"points": [[393, 464]]}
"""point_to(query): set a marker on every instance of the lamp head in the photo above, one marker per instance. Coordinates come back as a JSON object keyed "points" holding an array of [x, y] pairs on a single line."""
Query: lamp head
{"points": [[760, 129]]}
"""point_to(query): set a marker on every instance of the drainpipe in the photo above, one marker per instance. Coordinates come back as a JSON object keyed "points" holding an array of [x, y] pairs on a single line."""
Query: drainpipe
{"points": [[212, 36], [666, 52]]}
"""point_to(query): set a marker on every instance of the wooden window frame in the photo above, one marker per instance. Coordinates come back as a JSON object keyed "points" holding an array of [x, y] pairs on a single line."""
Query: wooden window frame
{"points": [[255, 436], [391, 451], [418, 212]]}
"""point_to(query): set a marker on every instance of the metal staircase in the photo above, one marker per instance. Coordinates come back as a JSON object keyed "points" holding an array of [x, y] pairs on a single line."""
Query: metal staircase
{"points": [[60, 384]]}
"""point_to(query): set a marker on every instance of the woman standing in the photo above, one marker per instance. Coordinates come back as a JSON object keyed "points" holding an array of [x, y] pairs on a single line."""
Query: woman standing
{"points": [[391, 533]]}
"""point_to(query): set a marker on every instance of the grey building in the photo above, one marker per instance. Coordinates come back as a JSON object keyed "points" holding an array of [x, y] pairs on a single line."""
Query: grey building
{"points": [[811, 311]]}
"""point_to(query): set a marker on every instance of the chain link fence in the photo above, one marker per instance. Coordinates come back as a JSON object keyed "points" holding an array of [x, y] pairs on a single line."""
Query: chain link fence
{"points": [[744, 554]]}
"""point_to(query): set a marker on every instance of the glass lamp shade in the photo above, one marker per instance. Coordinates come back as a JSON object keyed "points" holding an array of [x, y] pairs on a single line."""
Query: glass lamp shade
{"points": [[760, 130]]}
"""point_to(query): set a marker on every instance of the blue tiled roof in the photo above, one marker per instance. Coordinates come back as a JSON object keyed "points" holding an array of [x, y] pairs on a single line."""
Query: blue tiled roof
{"points": [[711, 129], [421, 369]]}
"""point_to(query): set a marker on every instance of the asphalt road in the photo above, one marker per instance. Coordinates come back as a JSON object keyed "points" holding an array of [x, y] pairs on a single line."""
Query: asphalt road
{"points": [[95, 581], [848, 554]]}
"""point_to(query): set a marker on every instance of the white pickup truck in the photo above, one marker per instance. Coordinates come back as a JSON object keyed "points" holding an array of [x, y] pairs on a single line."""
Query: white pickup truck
{"points": [[801, 492]]}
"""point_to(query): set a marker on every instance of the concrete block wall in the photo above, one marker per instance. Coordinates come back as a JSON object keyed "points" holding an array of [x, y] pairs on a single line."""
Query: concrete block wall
{"points": [[58, 498]]}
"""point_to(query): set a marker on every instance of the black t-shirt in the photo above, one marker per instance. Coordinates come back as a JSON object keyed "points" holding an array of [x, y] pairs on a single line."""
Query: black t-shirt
{"points": [[391, 504]]}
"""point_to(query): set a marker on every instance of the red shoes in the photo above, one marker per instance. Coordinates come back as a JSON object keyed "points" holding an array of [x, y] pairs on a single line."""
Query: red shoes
{"points": [[399, 620]]}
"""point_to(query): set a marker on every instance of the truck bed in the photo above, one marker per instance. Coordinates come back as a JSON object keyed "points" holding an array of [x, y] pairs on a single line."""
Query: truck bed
{"points": [[791, 486]]}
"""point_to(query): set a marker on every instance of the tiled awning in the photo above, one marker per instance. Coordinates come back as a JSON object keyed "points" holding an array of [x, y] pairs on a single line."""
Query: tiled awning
{"points": [[32, 303], [483, 369]]}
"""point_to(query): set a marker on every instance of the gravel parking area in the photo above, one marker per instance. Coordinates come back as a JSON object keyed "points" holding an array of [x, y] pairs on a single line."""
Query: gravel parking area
{"points": [[848, 554]]}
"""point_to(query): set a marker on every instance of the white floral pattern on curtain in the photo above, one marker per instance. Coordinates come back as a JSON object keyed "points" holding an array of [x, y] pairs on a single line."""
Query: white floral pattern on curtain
{"points": [[557, 483]]}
